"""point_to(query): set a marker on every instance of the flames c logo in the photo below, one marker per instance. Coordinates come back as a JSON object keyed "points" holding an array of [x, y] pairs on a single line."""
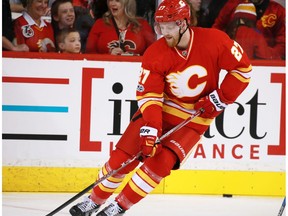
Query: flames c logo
{"points": [[179, 82], [128, 44], [269, 20]]}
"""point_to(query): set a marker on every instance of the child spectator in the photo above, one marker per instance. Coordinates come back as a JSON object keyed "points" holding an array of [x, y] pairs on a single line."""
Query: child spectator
{"points": [[119, 32], [63, 16], [30, 28], [243, 30], [68, 41]]}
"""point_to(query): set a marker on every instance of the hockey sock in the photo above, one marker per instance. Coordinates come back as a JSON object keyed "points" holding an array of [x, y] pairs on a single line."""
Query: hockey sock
{"points": [[106, 188], [146, 178]]}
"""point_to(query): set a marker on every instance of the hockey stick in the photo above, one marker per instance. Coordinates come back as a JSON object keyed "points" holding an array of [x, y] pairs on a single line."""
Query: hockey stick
{"points": [[129, 161], [282, 207]]}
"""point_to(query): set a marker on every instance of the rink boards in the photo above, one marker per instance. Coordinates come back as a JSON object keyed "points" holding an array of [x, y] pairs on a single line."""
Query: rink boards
{"points": [[63, 114]]}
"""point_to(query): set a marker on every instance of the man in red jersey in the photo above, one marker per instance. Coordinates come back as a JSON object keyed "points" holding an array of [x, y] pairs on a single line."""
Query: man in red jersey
{"points": [[180, 75], [270, 22]]}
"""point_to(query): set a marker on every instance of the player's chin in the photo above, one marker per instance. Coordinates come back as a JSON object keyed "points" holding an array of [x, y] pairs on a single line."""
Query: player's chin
{"points": [[171, 42]]}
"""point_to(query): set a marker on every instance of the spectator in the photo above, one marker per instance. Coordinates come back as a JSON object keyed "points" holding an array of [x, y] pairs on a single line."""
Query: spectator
{"points": [[195, 6], [32, 30], [16, 6], [98, 8], [68, 41], [7, 30], [209, 11], [84, 20], [146, 9], [270, 22], [62, 16], [119, 31], [243, 30]]}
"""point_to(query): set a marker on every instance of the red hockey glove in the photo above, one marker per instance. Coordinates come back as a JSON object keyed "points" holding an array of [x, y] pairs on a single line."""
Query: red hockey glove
{"points": [[149, 146], [211, 104]]}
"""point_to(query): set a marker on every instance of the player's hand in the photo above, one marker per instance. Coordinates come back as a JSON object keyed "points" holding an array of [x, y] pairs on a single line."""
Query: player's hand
{"points": [[148, 144], [211, 104]]}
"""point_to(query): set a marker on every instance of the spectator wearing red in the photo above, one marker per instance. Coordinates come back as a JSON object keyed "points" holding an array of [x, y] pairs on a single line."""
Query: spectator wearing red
{"points": [[31, 29], [243, 30], [119, 31], [270, 22]]}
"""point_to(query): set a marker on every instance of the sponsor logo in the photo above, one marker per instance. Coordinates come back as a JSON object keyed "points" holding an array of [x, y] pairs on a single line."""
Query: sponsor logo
{"points": [[144, 131], [178, 145], [216, 102]]}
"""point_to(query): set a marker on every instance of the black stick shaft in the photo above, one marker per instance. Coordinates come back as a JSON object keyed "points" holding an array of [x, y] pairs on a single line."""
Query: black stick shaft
{"points": [[93, 185], [282, 207], [182, 124]]}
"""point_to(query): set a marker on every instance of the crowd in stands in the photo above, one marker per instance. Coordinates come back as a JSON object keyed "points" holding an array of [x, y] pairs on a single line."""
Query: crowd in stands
{"points": [[125, 27]]}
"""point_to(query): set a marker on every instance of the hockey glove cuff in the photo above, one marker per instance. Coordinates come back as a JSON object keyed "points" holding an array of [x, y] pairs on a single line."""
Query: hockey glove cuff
{"points": [[211, 104], [149, 144]]}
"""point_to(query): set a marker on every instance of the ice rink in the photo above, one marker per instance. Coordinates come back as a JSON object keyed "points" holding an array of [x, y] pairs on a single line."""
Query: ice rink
{"points": [[32, 204]]}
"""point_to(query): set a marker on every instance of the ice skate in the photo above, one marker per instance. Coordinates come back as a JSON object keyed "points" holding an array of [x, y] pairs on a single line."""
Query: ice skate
{"points": [[85, 208], [112, 210]]}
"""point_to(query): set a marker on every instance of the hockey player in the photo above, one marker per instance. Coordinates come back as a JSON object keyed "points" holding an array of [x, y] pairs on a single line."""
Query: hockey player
{"points": [[180, 74]]}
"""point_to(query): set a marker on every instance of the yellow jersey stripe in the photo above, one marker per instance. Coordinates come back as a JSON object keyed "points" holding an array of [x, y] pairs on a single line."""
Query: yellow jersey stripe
{"points": [[241, 78], [149, 103], [176, 112]]}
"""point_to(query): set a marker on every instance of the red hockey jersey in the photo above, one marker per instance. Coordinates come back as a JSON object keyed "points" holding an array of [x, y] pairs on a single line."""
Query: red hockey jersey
{"points": [[172, 80], [102, 38], [38, 38], [271, 24]]}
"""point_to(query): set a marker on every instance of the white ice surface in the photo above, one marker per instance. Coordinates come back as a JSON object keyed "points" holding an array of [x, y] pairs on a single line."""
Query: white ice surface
{"points": [[32, 204]]}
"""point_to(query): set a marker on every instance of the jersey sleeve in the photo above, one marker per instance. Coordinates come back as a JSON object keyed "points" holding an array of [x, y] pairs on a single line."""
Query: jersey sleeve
{"points": [[18, 31], [151, 87], [234, 60]]}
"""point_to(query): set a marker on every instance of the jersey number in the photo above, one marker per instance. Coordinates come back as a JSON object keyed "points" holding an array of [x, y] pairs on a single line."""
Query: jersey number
{"points": [[237, 51], [143, 76]]}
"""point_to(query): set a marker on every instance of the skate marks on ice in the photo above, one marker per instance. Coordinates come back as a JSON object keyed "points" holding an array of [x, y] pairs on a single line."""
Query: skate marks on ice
{"points": [[32, 204]]}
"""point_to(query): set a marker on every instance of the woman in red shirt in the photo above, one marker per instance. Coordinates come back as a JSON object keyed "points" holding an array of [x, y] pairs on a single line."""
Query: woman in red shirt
{"points": [[119, 32], [32, 30]]}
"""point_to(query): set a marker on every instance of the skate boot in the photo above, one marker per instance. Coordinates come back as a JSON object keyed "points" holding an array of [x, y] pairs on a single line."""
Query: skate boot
{"points": [[112, 210], [85, 208]]}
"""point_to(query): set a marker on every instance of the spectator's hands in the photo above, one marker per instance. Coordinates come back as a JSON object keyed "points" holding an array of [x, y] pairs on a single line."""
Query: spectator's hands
{"points": [[211, 104], [148, 144], [20, 48], [116, 51], [47, 11]]}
